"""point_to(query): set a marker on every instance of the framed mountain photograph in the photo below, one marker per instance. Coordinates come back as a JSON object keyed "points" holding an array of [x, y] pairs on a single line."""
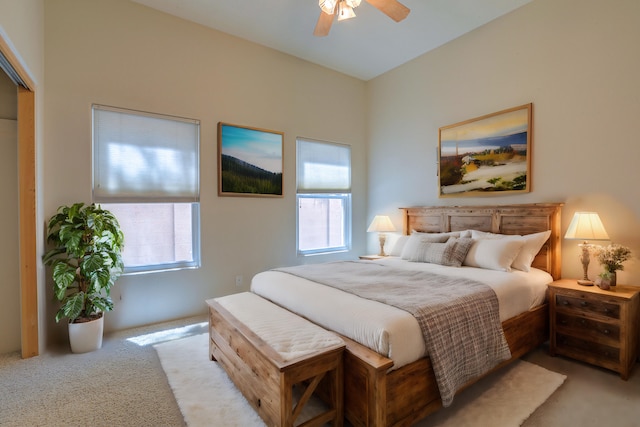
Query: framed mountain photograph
{"points": [[249, 161], [488, 155]]}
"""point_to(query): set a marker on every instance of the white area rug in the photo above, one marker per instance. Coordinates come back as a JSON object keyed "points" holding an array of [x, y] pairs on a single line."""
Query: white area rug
{"points": [[204, 392], [207, 397], [503, 399]]}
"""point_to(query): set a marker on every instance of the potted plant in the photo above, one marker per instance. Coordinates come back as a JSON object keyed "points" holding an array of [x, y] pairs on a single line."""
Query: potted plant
{"points": [[611, 258], [85, 262]]}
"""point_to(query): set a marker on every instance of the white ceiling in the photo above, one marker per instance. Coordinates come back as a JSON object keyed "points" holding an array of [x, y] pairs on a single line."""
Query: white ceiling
{"points": [[363, 47]]}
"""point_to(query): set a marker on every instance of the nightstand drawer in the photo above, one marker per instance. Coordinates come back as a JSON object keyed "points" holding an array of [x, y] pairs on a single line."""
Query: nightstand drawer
{"points": [[587, 305], [579, 326], [572, 346]]}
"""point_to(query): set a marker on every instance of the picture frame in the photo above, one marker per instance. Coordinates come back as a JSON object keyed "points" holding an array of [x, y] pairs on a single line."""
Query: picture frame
{"points": [[250, 161], [486, 156]]}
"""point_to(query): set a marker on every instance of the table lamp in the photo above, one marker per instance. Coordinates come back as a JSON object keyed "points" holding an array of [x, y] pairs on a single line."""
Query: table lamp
{"points": [[381, 224], [586, 226]]}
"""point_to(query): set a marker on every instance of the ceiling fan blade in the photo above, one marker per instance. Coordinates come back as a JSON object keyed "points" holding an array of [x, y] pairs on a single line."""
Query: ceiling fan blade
{"points": [[324, 24], [392, 8]]}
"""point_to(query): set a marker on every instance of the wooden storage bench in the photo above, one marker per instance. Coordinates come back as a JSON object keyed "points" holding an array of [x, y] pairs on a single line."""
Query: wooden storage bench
{"points": [[266, 350]]}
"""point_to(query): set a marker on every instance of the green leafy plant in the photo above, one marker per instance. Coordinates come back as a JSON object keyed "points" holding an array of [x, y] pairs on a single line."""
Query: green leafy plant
{"points": [[85, 259]]}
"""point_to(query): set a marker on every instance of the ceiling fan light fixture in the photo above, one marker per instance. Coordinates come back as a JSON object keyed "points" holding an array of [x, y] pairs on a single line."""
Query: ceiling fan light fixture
{"points": [[327, 6], [345, 11]]}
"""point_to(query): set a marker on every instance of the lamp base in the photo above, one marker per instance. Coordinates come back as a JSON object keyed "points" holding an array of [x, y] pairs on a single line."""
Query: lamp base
{"points": [[383, 238], [586, 256]]}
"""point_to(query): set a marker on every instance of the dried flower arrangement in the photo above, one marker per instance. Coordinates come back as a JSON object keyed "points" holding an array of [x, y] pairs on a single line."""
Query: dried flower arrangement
{"points": [[613, 256]]}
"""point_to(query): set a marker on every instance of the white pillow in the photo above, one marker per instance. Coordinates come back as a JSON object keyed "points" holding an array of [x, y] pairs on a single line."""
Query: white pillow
{"points": [[532, 244], [398, 246], [477, 234], [435, 234], [494, 254], [465, 234]]}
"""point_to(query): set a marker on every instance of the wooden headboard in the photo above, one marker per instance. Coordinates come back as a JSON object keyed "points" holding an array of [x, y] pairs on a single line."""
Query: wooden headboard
{"points": [[503, 219]]}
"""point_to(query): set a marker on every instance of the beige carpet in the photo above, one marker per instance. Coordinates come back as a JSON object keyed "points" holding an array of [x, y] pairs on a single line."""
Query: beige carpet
{"points": [[207, 397]]}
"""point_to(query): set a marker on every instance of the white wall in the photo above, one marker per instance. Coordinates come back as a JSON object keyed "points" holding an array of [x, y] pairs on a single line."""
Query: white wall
{"points": [[22, 28], [123, 54], [577, 61]]}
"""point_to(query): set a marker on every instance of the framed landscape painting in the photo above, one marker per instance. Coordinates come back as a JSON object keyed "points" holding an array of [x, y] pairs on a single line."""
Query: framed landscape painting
{"points": [[249, 161], [488, 155]]}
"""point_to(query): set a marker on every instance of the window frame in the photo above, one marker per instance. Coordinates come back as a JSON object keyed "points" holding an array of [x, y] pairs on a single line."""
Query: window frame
{"points": [[329, 193], [181, 265], [346, 223]]}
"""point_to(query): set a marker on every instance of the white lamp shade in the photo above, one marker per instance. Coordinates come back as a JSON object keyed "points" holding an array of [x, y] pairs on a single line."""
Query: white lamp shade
{"points": [[586, 226], [381, 224]]}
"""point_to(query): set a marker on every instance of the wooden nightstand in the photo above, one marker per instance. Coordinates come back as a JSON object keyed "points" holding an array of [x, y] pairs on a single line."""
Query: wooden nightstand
{"points": [[595, 326], [370, 257]]}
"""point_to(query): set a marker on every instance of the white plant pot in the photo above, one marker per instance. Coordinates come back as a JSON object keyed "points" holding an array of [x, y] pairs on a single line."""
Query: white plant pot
{"points": [[86, 336]]}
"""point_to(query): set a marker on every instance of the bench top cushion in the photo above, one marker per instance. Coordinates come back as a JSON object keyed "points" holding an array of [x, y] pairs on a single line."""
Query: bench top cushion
{"points": [[287, 333]]}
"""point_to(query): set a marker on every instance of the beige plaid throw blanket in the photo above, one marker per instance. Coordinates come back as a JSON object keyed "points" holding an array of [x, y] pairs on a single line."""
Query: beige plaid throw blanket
{"points": [[459, 317]]}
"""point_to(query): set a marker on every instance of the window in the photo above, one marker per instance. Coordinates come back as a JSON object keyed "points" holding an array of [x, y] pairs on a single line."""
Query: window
{"points": [[323, 197], [146, 171]]}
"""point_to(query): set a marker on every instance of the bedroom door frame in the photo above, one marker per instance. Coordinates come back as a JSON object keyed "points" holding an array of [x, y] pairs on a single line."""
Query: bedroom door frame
{"points": [[26, 205]]}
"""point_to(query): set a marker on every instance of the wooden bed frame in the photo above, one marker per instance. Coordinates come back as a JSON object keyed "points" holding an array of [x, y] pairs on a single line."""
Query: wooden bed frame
{"points": [[375, 396]]}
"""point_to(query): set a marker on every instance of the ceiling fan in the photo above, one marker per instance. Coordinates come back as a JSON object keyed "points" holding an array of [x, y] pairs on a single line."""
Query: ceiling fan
{"points": [[344, 10]]}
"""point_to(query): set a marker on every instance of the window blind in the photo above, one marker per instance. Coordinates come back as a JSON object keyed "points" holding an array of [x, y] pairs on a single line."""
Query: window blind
{"points": [[323, 167], [142, 156]]}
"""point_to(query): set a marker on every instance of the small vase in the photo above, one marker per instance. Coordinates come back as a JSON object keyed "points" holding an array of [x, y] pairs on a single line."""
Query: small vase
{"points": [[607, 280], [612, 278]]}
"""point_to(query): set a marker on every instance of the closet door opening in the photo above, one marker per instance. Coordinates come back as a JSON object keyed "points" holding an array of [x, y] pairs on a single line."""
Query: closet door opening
{"points": [[26, 200]]}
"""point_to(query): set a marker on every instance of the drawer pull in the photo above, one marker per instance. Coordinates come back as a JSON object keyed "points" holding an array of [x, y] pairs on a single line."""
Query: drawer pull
{"points": [[606, 310], [606, 332], [563, 322], [565, 302], [583, 303]]}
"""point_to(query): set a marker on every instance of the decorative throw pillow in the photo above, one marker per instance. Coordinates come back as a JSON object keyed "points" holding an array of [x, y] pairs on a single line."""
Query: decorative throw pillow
{"points": [[416, 238], [493, 254], [430, 252], [458, 252], [451, 253]]}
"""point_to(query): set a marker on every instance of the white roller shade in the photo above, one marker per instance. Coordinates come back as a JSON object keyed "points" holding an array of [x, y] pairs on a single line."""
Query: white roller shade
{"points": [[323, 167], [146, 156]]}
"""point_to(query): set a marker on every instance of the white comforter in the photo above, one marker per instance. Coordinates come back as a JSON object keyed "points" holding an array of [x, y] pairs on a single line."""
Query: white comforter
{"points": [[388, 330]]}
